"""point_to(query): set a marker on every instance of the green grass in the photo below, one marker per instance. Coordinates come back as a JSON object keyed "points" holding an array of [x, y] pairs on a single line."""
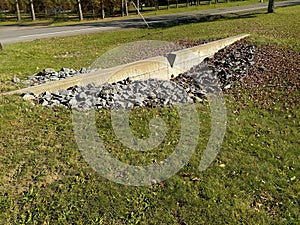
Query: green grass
{"points": [[202, 6], [23, 59], [45, 180], [148, 11]]}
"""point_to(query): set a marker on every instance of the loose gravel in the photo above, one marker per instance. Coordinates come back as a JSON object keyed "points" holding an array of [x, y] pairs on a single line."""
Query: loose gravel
{"points": [[49, 74], [211, 76], [121, 95]]}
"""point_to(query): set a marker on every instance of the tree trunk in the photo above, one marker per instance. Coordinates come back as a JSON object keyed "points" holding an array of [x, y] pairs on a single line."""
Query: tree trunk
{"points": [[2, 5], [271, 6], [176, 4], [126, 7], [156, 5], [168, 4], [80, 10], [18, 10], [32, 10], [102, 9], [137, 5], [93, 10], [122, 8], [187, 3]]}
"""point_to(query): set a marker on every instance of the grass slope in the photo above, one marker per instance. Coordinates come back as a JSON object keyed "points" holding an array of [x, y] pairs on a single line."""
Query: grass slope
{"points": [[147, 11], [45, 180]]}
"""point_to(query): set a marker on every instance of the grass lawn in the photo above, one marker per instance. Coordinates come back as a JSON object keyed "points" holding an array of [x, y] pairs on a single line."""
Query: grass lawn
{"points": [[254, 180], [148, 11]]}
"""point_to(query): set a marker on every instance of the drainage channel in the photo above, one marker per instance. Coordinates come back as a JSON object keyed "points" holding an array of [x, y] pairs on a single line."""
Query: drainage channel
{"points": [[160, 67]]}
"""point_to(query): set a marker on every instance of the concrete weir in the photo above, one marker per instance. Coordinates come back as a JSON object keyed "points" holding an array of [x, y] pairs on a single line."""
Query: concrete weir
{"points": [[156, 67]]}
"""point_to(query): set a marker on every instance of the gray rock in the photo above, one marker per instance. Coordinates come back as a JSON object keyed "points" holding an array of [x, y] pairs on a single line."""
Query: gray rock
{"points": [[52, 78], [49, 74], [83, 70], [227, 86], [81, 96], [16, 80], [72, 103], [228, 65], [43, 102], [65, 70], [28, 96], [262, 68], [63, 92]]}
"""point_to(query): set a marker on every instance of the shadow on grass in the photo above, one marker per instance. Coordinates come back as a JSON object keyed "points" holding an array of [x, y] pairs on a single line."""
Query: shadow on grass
{"points": [[202, 19], [169, 21], [162, 21]]}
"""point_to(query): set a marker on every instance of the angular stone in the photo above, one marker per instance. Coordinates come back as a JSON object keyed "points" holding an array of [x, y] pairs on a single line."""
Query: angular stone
{"points": [[82, 70], [16, 80], [52, 78], [28, 97], [73, 102], [65, 70]]}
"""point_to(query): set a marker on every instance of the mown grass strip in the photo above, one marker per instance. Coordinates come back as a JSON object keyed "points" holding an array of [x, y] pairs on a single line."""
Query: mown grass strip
{"points": [[45, 180], [23, 59], [148, 11]]}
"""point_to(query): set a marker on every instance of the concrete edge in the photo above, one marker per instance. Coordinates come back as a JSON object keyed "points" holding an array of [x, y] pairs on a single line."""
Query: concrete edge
{"points": [[155, 67]]}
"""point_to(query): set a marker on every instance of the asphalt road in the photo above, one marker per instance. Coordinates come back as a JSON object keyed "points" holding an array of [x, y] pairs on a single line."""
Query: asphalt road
{"points": [[13, 34]]}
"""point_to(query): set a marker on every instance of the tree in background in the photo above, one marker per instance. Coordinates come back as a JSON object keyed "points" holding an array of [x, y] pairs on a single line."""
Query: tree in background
{"points": [[32, 10], [6, 5], [271, 6], [85, 8], [122, 7], [126, 7], [156, 5], [95, 7], [79, 10], [102, 9], [18, 10], [46, 6]]}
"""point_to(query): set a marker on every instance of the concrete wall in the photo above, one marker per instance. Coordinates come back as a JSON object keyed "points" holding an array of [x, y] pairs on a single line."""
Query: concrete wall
{"points": [[155, 67]]}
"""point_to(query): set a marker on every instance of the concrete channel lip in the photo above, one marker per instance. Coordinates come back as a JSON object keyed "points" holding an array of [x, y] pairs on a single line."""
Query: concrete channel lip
{"points": [[155, 67]]}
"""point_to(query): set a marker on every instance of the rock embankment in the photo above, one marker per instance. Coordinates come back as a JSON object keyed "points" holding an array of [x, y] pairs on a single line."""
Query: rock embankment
{"points": [[227, 66], [50, 74]]}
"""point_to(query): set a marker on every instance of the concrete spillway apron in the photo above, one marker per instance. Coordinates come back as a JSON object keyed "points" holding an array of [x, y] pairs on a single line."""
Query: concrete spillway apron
{"points": [[156, 67]]}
